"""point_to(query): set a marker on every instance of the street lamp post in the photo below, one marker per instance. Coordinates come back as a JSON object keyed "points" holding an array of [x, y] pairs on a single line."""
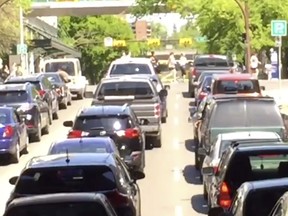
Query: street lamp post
{"points": [[246, 14]]}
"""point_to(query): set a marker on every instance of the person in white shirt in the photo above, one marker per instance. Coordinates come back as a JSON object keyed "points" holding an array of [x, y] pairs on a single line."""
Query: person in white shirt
{"points": [[183, 63], [172, 65], [254, 62]]}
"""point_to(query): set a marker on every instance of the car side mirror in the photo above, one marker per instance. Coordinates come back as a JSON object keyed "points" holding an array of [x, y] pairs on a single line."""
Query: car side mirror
{"points": [[202, 151], [209, 171], [68, 123], [13, 180], [163, 93], [144, 121], [137, 175], [217, 211], [262, 88], [167, 87], [207, 89]]}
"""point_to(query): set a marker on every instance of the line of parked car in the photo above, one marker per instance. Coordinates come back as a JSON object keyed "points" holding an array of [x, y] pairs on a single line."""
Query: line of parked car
{"points": [[240, 149], [96, 168]]}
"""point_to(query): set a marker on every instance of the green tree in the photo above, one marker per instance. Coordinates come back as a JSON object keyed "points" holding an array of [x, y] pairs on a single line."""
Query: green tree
{"points": [[158, 31], [87, 35]]}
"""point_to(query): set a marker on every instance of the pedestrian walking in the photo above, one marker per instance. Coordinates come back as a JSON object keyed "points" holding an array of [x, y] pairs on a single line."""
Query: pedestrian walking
{"points": [[254, 62], [154, 62], [172, 66], [183, 64]]}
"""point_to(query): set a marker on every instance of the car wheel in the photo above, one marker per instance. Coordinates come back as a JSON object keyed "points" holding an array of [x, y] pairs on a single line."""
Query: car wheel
{"points": [[69, 103], [157, 142], [80, 96], [16, 156], [163, 120], [46, 128]]}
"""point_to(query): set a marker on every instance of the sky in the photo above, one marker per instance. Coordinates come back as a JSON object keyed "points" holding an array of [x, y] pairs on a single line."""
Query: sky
{"points": [[168, 20]]}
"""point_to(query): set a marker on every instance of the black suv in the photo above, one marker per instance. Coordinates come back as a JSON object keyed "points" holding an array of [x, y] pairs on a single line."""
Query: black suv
{"points": [[118, 122], [26, 99], [45, 89], [243, 163]]}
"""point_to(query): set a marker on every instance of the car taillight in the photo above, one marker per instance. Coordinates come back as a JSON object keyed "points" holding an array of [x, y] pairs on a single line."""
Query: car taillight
{"points": [[131, 133], [8, 131], [224, 199], [42, 92], [118, 199], [157, 110], [77, 134]]}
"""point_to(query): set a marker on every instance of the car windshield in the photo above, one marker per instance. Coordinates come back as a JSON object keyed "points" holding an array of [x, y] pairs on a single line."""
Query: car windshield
{"points": [[13, 96], [130, 68], [68, 67], [109, 123], [211, 61], [82, 147], [241, 86], [53, 78], [246, 113], [59, 209], [260, 202], [66, 179], [35, 83], [125, 89]]}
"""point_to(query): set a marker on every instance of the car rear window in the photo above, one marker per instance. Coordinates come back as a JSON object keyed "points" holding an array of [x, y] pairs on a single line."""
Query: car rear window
{"points": [[66, 179], [13, 96], [260, 202], [130, 68], [241, 86], [35, 83], [246, 113], [125, 88], [53, 78], [86, 123], [59, 209], [211, 62], [95, 147]]}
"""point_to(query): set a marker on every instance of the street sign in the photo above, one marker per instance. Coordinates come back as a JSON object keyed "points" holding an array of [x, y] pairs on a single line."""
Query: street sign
{"points": [[278, 28], [201, 39], [154, 42], [108, 42], [185, 41], [22, 49], [119, 43]]}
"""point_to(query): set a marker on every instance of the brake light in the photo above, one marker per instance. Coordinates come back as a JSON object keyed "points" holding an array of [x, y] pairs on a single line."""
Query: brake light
{"points": [[157, 110], [77, 134], [118, 199], [224, 198], [131, 133], [42, 92], [8, 131]]}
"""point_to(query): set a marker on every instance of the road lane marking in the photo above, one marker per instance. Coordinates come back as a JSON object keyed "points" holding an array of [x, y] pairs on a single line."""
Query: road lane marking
{"points": [[178, 211], [177, 173], [176, 121], [176, 143]]}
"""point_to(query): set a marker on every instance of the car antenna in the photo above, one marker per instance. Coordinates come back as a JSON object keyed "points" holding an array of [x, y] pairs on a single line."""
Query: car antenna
{"points": [[67, 156]]}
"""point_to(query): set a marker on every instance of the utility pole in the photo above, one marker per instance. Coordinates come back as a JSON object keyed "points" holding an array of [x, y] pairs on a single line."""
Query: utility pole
{"points": [[246, 15]]}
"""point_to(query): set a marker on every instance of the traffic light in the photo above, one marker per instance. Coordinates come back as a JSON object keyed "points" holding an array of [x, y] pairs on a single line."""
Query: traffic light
{"points": [[119, 43], [154, 42], [185, 42]]}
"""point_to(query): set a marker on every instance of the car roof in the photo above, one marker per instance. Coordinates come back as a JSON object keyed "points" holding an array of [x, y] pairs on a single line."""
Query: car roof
{"points": [[56, 198], [13, 87], [30, 78], [75, 159], [243, 96], [250, 147], [51, 73], [270, 183], [104, 110], [247, 135], [126, 78], [233, 77], [84, 140], [132, 60], [212, 56]]}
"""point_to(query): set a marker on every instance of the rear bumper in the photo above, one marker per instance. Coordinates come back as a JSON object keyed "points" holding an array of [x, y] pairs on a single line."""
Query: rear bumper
{"points": [[7, 146], [151, 130], [75, 88]]}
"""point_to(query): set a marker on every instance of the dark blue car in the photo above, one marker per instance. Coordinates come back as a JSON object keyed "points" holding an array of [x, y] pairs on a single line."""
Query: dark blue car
{"points": [[13, 134], [84, 145]]}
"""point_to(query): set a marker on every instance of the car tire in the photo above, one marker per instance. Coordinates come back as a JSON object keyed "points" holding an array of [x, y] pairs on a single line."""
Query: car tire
{"points": [[80, 96], [63, 105], [46, 128], [205, 193], [69, 103], [157, 142], [16, 156], [163, 120]]}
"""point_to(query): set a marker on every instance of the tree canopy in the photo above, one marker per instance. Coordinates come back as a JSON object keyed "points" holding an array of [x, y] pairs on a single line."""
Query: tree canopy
{"points": [[87, 34], [159, 31], [221, 21]]}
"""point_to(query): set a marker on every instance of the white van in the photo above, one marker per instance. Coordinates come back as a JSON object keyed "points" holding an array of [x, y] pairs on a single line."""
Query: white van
{"points": [[72, 66]]}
